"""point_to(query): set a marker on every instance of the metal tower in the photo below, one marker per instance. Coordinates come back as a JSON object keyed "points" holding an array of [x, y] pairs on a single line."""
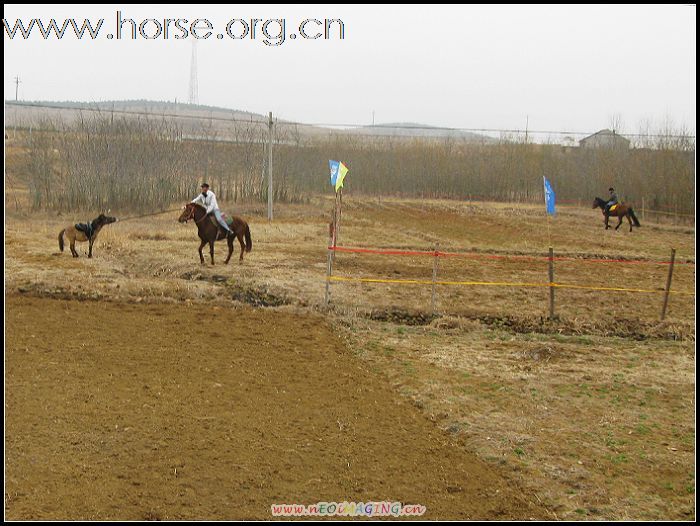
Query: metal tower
{"points": [[194, 92]]}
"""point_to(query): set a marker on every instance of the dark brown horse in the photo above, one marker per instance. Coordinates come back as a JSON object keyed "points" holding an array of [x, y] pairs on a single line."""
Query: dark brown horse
{"points": [[84, 232], [209, 231], [620, 211]]}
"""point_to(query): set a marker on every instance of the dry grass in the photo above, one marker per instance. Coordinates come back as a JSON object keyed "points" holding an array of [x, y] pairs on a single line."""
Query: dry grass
{"points": [[594, 413], [595, 428]]}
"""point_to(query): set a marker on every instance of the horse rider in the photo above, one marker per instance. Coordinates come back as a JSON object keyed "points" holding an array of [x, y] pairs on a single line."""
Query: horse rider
{"points": [[612, 200], [208, 200]]}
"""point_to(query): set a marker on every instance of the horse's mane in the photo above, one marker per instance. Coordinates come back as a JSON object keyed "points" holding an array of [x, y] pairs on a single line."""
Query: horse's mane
{"points": [[197, 205], [94, 223]]}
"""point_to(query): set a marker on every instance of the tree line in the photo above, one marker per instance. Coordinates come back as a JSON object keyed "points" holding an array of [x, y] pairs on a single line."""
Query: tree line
{"points": [[146, 164]]}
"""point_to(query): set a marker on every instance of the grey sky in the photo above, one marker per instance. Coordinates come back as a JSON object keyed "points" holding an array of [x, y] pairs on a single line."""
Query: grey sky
{"points": [[567, 68]]}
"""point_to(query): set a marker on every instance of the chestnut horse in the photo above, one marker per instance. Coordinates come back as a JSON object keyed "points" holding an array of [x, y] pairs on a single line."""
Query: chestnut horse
{"points": [[86, 232], [620, 211], [209, 231]]}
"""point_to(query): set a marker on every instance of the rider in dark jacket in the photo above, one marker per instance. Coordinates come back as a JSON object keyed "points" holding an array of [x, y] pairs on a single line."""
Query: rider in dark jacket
{"points": [[611, 201]]}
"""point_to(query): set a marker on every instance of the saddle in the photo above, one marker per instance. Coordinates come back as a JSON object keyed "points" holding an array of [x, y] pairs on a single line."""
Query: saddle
{"points": [[613, 207], [86, 228], [212, 218]]}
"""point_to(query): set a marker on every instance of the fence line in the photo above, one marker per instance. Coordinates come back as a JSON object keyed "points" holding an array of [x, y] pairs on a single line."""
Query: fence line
{"points": [[669, 213], [476, 255], [499, 284], [551, 284]]}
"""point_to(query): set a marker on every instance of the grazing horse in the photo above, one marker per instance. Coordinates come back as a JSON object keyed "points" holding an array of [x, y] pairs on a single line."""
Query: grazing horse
{"points": [[84, 232], [620, 211], [209, 231]]}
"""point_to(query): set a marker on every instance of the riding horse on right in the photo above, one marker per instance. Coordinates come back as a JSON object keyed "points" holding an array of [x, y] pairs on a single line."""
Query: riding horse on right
{"points": [[619, 210]]}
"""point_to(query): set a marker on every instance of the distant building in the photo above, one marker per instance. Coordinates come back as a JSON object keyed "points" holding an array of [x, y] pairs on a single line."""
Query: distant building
{"points": [[605, 139], [568, 141]]}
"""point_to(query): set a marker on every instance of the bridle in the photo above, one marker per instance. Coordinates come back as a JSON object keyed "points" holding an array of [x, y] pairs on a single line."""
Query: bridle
{"points": [[191, 215]]}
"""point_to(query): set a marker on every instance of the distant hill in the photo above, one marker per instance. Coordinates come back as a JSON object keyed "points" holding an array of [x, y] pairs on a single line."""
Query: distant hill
{"points": [[199, 120], [141, 107], [414, 129]]}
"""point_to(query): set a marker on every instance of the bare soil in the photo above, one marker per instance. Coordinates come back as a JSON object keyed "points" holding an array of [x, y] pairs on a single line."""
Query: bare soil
{"points": [[124, 411]]}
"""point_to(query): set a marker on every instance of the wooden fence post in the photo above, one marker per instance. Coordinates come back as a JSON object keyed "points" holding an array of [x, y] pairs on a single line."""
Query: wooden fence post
{"points": [[436, 259], [668, 283], [340, 215], [551, 283], [329, 271]]}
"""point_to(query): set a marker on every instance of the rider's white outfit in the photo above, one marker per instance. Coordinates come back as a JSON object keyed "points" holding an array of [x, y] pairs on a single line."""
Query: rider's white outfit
{"points": [[208, 201]]}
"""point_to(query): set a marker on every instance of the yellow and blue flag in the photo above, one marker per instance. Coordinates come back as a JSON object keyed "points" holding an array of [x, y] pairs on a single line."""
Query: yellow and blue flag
{"points": [[338, 172], [548, 196]]}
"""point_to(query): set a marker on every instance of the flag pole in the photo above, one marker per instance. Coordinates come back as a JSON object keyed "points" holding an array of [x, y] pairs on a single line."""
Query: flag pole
{"points": [[549, 198], [340, 212], [546, 212], [334, 226]]}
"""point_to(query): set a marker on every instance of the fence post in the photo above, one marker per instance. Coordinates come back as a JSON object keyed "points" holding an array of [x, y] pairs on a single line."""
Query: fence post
{"points": [[334, 226], [329, 271], [643, 218], [269, 168], [551, 283], [668, 283], [436, 259]]}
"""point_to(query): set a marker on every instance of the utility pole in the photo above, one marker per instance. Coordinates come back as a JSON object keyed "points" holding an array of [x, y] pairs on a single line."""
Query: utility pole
{"points": [[527, 125], [269, 168], [17, 81]]}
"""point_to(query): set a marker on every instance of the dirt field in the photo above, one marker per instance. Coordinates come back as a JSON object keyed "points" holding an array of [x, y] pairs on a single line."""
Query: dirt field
{"points": [[486, 410], [121, 411]]}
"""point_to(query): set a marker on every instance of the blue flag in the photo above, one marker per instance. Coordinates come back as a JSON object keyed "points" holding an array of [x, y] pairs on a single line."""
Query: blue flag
{"points": [[548, 196]]}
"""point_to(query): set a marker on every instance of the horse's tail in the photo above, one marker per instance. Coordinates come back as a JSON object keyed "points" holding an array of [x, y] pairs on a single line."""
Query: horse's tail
{"points": [[60, 239], [248, 240], [634, 218]]}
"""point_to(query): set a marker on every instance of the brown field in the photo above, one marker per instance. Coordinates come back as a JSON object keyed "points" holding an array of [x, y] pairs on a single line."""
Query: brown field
{"points": [[139, 385]]}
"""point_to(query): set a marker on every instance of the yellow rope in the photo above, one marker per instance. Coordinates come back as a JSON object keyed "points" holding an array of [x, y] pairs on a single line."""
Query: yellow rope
{"points": [[497, 284]]}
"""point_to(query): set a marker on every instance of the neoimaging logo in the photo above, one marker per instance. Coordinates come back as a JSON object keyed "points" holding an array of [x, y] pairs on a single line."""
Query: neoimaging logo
{"points": [[348, 509]]}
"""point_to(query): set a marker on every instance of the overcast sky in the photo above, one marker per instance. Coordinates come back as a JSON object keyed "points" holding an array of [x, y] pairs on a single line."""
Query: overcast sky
{"points": [[564, 68]]}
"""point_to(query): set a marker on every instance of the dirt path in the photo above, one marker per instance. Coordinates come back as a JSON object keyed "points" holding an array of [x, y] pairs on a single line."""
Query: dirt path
{"points": [[123, 411]]}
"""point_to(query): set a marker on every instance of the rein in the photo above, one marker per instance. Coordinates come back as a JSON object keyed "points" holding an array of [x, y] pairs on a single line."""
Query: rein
{"points": [[196, 221], [148, 215]]}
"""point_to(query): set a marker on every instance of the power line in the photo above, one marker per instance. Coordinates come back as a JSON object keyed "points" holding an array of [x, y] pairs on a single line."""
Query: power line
{"points": [[341, 126]]}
